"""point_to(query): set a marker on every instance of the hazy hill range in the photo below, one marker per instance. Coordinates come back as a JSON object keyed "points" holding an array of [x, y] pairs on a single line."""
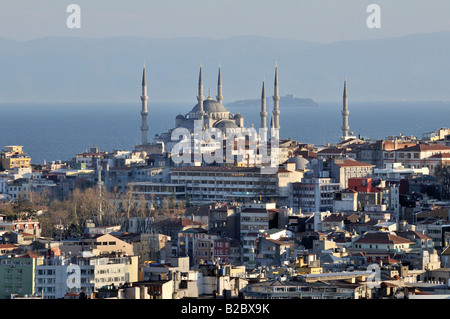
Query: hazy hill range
{"points": [[53, 69]]}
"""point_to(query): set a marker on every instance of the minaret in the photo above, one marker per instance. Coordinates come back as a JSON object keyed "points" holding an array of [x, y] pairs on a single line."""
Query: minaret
{"points": [[276, 100], [345, 113], [144, 112], [219, 96], [200, 93], [263, 112]]}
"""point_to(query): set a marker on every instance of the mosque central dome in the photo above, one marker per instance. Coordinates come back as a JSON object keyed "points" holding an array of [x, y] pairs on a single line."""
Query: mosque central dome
{"points": [[210, 106]]}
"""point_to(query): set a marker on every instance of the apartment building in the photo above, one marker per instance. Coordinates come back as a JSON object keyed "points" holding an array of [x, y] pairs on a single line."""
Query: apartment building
{"points": [[13, 156], [293, 289], [85, 272], [205, 184], [314, 194], [343, 169], [418, 156], [253, 221], [17, 274]]}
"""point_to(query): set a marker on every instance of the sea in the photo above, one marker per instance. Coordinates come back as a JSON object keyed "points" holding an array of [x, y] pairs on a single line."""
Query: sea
{"points": [[58, 131]]}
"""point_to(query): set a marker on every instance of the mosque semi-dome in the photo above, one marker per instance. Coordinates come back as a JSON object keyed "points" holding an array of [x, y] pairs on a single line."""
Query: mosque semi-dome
{"points": [[224, 124]]}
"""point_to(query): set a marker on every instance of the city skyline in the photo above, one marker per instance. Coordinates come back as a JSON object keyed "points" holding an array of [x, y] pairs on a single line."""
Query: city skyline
{"points": [[137, 160]]}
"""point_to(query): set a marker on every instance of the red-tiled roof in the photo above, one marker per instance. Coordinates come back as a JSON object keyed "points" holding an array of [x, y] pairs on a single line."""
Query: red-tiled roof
{"points": [[413, 234], [426, 147], [383, 238], [420, 292], [27, 235], [390, 146], [442, 155], [7, 246], [278, 242], [189, 222]]}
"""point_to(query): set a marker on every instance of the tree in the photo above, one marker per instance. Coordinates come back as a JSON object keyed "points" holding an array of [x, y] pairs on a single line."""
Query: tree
{"points": [[111, 208], [9, 212], [40, 199], [55, 222], [23, 207]]}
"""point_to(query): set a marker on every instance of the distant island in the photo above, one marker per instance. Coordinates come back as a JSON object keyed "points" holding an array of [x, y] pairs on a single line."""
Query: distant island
{"points": [[286, 101]]}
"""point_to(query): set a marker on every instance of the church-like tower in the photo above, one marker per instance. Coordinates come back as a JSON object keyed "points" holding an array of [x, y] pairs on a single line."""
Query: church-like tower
{"points": [[144, 111], [263, 112], [345, 113], [276, 101]]}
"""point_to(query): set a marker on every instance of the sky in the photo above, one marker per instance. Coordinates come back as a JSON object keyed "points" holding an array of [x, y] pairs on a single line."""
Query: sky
{"points": [[322, 21]]}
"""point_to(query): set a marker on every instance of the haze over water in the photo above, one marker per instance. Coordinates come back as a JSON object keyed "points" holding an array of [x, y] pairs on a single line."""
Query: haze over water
{"points": [[61, 130]]}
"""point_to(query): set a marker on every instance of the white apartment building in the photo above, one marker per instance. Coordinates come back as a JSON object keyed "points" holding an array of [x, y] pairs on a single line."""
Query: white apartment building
{"points": [[86, 272], [417, 156], [396, 171], [254, 220], [394, 201], [314, 195], [205, 184]]}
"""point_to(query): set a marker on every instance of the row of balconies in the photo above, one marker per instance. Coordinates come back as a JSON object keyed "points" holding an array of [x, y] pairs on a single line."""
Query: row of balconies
{"points": [[202, 179]]}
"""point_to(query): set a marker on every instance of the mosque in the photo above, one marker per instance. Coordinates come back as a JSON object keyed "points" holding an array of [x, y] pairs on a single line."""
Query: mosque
{"points": [[212, 113]]}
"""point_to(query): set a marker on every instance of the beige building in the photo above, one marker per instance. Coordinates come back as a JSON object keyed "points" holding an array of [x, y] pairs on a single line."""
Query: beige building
{"points": [[107, 243], [287, 174], [13, 156], [381, 242], [344, 169], [98, 244], [420, 155]]}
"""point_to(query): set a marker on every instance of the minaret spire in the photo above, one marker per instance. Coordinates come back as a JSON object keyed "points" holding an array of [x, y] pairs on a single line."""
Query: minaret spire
{"points": [[200, 92], [263, 112], [219, 96], [276, 100], [144, 111], [345, 113]]}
